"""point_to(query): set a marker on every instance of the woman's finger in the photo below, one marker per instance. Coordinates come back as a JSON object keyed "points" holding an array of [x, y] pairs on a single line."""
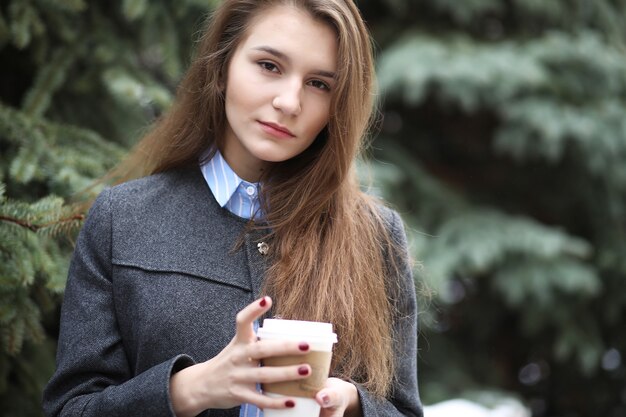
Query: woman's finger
{"points": [[336, 397], [269, 374], [263, 401], [328, 398], [269, 348], [247, 316]]}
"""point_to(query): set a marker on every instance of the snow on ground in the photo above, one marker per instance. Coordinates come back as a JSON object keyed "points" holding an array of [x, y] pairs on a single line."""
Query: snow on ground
{"points": [[465, 408]]}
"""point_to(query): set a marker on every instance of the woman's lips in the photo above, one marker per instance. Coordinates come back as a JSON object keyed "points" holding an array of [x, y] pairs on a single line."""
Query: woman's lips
{"points": [[276, 130]]}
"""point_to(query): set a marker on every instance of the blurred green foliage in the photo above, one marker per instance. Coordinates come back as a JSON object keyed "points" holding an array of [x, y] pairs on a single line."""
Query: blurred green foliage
{"points": [[79, 82], [502, 143]]}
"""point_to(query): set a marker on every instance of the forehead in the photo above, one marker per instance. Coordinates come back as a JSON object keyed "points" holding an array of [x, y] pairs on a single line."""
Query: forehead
{"points": [[295, 33]]}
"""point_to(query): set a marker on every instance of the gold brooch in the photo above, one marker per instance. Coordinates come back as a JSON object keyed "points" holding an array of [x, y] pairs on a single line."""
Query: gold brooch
{"points": [[263, 248]]}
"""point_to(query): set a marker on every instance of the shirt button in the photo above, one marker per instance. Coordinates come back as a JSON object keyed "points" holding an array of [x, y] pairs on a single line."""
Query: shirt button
{"points": [[250, 190]]}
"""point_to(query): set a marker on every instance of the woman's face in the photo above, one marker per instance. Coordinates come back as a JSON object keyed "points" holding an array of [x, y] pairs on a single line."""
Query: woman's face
{"points": [[278, 89]]}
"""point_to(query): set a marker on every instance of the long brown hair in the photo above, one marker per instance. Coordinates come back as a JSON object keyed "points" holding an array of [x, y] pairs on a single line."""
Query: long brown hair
{"points": [[327, 236]]}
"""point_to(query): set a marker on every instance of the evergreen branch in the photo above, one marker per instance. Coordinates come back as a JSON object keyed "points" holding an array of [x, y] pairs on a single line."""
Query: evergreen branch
{"points": [[13, 336], [134, 10], [18, 222], [37, 227], [25, 23], [49, 79]]}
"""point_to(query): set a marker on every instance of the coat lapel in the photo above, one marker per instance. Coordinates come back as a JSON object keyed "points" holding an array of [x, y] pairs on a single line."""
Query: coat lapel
{"points": [[170, 222]]}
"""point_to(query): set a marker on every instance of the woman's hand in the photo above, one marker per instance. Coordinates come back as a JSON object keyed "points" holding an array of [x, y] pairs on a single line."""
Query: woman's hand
{"points": [[229, 379], [338, 399]]}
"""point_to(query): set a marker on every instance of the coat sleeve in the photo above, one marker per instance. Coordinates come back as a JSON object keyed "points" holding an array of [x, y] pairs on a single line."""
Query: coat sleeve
{"points": [[404, 399], [93, 375]]}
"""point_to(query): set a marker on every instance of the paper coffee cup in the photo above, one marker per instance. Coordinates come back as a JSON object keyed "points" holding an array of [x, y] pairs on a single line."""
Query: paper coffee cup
{"points": [[320, 338]]}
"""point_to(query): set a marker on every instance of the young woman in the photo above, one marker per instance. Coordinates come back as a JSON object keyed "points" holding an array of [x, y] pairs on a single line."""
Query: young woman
{"points": [[249, 208]]}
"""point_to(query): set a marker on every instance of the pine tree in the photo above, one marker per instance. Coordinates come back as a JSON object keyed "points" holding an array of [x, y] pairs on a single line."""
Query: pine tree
{"points": [[503, 144], [79, 82]]}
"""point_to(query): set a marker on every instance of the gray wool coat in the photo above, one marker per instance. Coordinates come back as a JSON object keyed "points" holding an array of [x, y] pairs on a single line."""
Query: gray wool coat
{"points": [[154, 286]]}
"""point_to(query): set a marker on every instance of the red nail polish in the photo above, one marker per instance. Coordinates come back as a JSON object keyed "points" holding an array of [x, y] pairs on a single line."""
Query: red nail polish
{"points": [[304, 346], [263, 303], [290, 404], [303, 370]]}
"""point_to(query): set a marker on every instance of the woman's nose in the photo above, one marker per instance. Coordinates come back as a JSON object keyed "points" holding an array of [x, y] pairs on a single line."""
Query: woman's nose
{"points": [[288, 100]]}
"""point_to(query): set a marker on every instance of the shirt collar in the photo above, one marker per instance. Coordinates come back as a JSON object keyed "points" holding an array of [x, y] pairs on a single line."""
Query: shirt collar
{"points": [[221, 178]]}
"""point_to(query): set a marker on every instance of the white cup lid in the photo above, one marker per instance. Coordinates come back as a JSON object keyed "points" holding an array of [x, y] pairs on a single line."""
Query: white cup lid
{"points": [[297, 329]]}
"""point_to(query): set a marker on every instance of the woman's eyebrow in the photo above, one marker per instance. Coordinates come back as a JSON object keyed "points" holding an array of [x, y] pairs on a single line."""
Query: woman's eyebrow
{"points": [[285, 57]]}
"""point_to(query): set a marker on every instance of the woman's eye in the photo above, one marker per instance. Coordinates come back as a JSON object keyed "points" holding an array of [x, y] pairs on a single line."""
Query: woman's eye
{"points": [[320, 85], [268, 66]]}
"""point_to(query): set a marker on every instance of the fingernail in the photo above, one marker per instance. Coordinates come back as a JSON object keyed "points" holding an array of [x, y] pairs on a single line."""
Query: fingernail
{"points": [[304, 346], [325, 399], [263, 303], [290, 404], [303, 370]]}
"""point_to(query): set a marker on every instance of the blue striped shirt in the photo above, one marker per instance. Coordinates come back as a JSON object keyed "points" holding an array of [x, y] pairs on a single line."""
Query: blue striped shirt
{"points": [[238, 196], [241, 198]]}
